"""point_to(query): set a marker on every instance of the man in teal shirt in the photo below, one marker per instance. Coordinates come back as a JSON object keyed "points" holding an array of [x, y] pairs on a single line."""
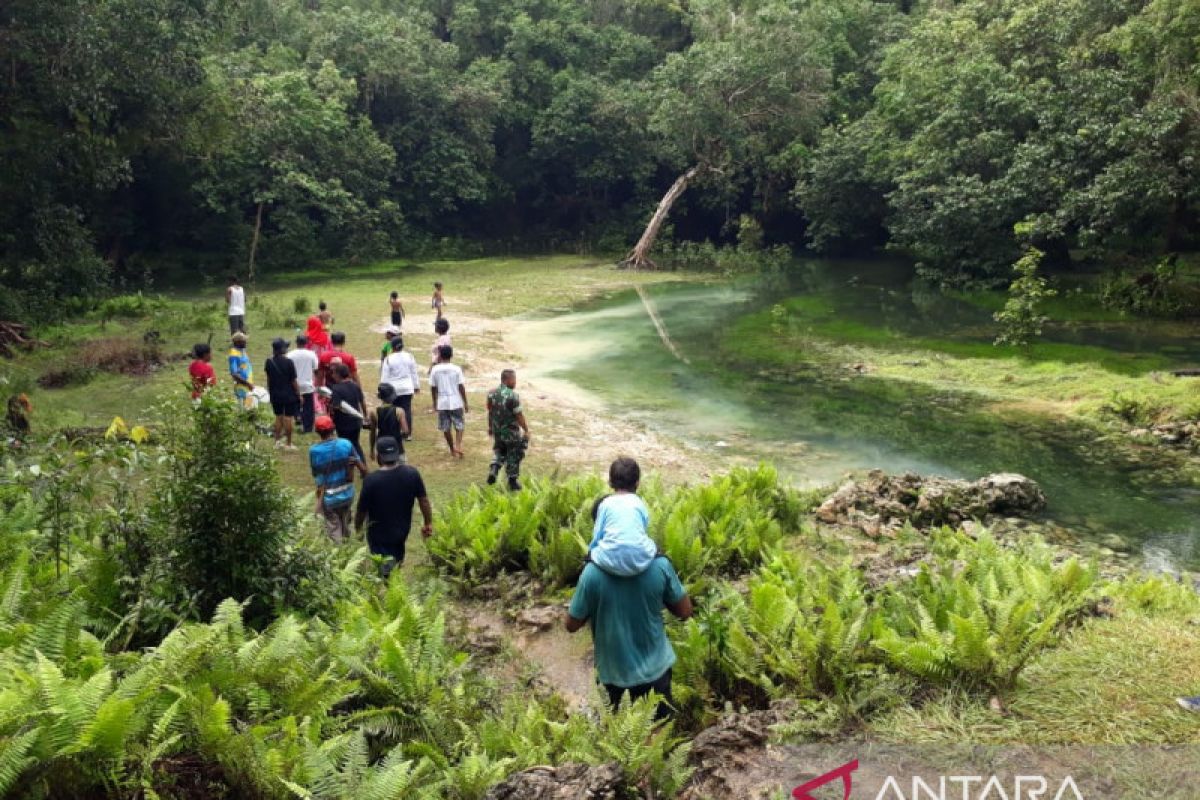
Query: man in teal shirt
{"points": [[632, 651]]}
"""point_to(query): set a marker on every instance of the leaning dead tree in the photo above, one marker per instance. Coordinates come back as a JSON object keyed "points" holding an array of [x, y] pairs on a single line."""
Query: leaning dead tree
{"points": [[751, 86], [639, 257]]}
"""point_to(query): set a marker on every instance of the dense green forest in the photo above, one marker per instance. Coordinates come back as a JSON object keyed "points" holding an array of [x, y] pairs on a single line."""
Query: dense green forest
{"points": [[205, 135]]}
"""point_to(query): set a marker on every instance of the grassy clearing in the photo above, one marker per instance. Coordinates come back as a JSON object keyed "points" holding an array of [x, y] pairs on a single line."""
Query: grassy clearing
{"points": [[485, 289]]}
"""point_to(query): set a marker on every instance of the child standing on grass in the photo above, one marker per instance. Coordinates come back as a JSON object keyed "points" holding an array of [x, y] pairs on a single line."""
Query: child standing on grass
{"points": [[438, 301], [397, 309], [620, 543]]}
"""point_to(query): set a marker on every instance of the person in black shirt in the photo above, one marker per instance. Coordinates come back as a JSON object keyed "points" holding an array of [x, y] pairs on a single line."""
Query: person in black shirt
{"points": [[285, 393], [388, 420], [387, 501], [348, 406]]}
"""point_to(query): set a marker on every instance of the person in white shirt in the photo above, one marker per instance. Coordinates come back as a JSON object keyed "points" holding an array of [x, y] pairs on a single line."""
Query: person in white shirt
{"points": [[235, 297], [306, 367], [450, 398], [400, 370]]}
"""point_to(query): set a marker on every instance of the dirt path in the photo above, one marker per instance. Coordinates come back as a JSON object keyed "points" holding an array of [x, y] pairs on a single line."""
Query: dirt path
{"points": [[563, 662], [571, 431]]}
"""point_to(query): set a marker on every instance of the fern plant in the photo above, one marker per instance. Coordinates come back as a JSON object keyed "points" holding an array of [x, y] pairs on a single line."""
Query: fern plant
{"points": [[979, 612], [798, 630]]}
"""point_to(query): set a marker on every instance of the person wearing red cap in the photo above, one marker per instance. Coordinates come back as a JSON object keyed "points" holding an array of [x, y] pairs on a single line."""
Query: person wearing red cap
{"points": [[331, 460]]}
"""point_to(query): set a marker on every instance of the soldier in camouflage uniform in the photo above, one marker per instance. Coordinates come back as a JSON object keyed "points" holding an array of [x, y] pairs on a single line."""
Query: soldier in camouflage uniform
{"points": [[508, 429]]}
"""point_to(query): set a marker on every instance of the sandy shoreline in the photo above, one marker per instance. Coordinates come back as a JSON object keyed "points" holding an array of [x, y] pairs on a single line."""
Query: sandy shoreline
{"points": [[578, 431]]}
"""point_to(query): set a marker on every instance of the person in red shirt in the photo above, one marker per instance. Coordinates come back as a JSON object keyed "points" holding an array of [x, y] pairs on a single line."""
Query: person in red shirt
{"points": [[203, 377], [338, 355], [318, 337]]}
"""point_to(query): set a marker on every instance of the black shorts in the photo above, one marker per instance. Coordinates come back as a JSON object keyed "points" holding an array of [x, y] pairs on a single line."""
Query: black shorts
{"points": [[286, 408], [396, 318]]}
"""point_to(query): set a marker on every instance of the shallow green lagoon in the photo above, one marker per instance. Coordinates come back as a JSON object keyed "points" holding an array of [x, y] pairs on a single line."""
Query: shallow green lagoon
{"points": [[818, 423]]}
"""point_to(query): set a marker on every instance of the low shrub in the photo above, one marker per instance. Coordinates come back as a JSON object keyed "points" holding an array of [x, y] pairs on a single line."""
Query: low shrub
{"points": [[231, 517], [129, 306], [1157, 292], [798, 630]]}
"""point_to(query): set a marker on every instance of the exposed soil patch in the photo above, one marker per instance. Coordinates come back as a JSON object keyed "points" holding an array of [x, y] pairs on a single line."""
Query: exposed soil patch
{"points": [[110, 355], [563, 661]]}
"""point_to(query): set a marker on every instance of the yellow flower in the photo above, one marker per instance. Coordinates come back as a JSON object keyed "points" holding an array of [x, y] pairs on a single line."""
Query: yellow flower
{"points": [[117, 430], [139, 434]]}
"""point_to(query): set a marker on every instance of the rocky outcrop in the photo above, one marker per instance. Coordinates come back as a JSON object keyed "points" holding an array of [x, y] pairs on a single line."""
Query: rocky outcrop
{"points": [[564, 782], [1176, 434], [881, 504], [735, 747]]}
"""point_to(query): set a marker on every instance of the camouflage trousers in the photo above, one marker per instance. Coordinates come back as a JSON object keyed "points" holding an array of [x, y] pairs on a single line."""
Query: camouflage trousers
{"points": [[508, 455]]}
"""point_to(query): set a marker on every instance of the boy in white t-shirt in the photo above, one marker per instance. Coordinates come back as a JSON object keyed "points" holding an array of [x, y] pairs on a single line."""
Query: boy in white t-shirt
{"points": [[235, 297], [449, 398], [620, 543]]}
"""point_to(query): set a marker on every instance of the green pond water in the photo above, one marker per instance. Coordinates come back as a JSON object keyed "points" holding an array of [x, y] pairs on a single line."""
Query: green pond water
{"points": [[816, 424]]}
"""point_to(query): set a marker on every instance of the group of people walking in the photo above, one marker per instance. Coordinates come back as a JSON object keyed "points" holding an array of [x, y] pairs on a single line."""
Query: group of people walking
{"points": [[316, 384]]}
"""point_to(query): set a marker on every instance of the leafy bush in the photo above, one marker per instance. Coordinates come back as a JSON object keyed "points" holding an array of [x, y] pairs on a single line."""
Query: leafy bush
{"points": [[1133, 410], [1153, 293], [301, 305], [483, 532], [128, 306], [270, 316], [979, 613], [1157, 595], [229, 516]]}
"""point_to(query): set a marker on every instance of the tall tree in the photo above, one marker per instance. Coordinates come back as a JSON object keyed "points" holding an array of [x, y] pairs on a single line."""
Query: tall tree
{"points": [[287, 146], [1077, 120], [86, 88]]}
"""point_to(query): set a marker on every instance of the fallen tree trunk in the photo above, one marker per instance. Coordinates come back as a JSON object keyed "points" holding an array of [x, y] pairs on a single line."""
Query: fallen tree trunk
{"points": [[639, 257], [14, 334]]}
